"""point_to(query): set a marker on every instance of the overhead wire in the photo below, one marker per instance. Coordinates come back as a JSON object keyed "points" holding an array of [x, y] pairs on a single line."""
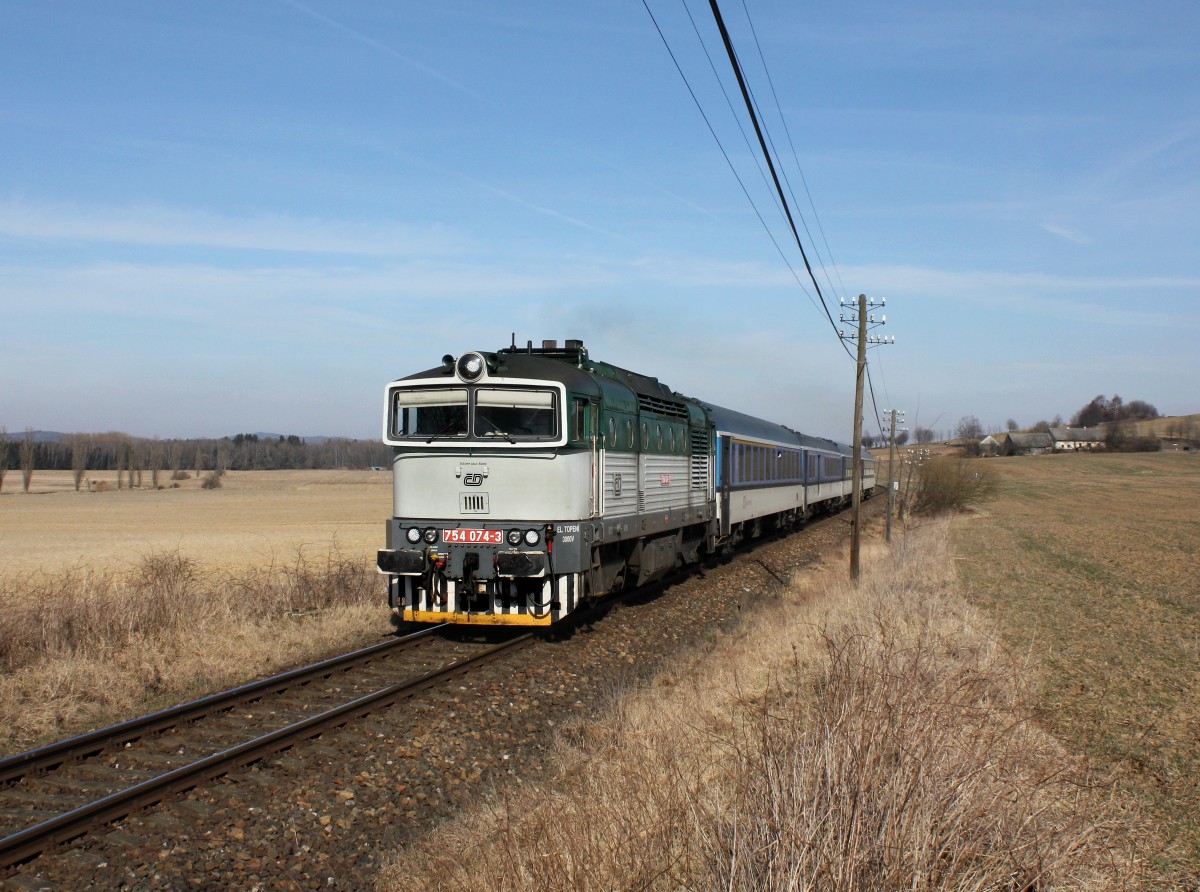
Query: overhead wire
{"points": [[725, 154], [769, 153], [729, 103], [795, 157], [737, 71]]}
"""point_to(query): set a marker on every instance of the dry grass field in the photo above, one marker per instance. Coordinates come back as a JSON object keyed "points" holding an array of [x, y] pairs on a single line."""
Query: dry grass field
{"points": [[256, 518], [115, 601], [1091, 564]]}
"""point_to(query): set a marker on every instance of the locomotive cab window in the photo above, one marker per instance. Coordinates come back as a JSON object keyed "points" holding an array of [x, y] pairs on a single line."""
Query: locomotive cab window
{"points": [[484, 413], [519, 414], [429, 412]]}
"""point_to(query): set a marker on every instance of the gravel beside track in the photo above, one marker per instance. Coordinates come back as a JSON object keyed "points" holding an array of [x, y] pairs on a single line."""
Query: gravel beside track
{"points": [[328, 812]]}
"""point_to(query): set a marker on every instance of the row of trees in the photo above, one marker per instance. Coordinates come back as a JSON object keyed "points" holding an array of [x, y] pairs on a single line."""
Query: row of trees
{"points": [[1101, 410], [24, 454], [133, 456]]}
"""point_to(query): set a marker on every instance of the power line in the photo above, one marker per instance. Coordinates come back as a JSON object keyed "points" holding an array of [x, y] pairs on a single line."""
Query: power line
{"points": [[803, 180], [725, 154], [737, 70]]}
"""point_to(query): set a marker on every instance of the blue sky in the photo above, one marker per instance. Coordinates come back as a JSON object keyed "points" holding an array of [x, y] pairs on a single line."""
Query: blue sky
{"points": [[220, 217]]}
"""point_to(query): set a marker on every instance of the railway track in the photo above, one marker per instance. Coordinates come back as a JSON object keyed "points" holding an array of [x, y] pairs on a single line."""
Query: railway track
{"points": [[58, 792]]}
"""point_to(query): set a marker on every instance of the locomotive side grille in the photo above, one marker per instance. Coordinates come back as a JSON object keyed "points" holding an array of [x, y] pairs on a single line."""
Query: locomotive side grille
{"points": [[658, 406], [473, 503], [641, 500], [699, 459]]}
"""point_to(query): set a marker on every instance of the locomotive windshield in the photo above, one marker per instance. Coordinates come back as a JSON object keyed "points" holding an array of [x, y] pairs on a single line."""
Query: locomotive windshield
{"points": [[519, 414], [430, 413], [483, 413]]}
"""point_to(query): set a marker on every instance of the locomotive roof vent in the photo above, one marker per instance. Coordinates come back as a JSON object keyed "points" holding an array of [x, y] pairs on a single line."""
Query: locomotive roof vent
{"points": [[470, 366], [572, 349]]}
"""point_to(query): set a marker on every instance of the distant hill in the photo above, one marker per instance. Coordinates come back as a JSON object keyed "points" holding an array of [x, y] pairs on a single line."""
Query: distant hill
{"points": [[1181, 427]]}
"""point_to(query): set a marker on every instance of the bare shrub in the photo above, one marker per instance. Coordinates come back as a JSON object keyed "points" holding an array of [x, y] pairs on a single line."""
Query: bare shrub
{"points": [[213, 480], [3, 455], [904, 769], [180, 475], [949, 483]]}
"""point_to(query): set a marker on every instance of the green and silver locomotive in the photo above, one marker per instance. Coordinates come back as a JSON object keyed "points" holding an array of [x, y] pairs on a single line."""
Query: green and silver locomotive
{"points": [[530, 480]]}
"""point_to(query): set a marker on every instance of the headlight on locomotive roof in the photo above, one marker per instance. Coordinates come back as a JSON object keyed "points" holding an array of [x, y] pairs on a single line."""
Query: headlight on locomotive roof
{"points": [[514, 537], [413, 535], [470, 366], [431, 535], [531, 537]]}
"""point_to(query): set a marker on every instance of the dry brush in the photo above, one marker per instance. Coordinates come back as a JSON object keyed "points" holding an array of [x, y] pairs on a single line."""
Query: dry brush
{"points": [[864, 739], [83, 643]]}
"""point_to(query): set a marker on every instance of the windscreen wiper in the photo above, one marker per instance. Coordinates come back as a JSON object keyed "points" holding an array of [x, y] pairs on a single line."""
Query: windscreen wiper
{"points": [[443, 430], [495, 427]]}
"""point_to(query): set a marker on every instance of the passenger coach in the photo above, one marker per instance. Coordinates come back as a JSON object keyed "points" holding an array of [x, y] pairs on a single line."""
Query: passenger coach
{"points": [[529, 480]]}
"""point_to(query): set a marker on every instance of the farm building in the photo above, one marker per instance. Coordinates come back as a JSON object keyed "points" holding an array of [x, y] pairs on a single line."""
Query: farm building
{"points": [[992, 445], [1033, 443], [1076, 439]]}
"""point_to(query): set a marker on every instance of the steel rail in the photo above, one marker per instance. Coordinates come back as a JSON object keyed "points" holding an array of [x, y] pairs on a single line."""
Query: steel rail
{"points": [[74, 748], [30, 842]]}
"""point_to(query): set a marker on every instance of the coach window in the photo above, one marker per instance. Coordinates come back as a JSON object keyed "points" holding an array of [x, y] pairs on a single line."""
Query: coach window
{"points": [[629, 433], [645, 436], [612, 433], [658, 437]]}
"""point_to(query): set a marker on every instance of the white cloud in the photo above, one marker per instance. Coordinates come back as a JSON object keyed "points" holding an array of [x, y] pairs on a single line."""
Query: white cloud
{"points": [[1068, 234], [155, 225]]}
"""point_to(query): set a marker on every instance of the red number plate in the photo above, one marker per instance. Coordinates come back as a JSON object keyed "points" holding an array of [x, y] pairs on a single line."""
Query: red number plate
{"points": [[473, 537]]}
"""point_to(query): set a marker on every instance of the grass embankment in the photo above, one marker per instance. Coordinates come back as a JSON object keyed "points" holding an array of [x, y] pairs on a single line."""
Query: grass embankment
{"points": [[1090, 563], [845, 739], [84, 647]]}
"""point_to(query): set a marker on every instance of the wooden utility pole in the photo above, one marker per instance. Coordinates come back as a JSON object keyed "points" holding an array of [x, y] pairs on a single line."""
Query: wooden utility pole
{"points": [[855, 525], [858, 311], [891, 484]]}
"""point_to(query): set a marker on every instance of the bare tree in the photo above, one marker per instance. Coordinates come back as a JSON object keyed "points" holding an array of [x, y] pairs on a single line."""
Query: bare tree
{"points": [[1011, 424], [968, 428], [173, 458], [923, 435], [79, 448], [3, 455], [156, 457], [27, 455]]}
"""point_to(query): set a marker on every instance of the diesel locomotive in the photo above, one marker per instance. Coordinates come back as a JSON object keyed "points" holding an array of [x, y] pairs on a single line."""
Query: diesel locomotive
{"points": [[531, 480]]}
